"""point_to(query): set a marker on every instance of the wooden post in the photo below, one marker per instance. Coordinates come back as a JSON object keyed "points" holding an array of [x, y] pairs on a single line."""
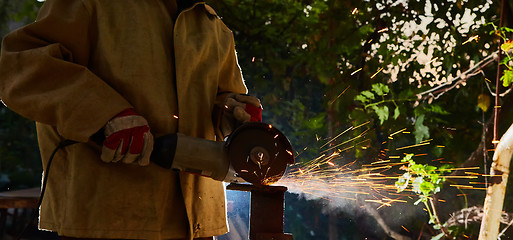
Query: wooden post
{"points": [[495, 193]]}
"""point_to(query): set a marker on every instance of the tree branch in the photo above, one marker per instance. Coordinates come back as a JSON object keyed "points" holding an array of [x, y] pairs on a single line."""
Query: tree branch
{"points": [[460, 78], [393, 234], [473, 215]]}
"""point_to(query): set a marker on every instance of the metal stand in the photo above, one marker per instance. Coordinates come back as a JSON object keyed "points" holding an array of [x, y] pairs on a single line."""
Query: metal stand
{"points": [[267, 209]]}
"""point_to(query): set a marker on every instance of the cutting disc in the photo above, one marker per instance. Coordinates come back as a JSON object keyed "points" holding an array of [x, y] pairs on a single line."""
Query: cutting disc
{"points": [[259, 153]]}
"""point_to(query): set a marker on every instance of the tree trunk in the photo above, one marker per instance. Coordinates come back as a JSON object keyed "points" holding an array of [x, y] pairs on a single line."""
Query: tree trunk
{"points": [[332, 215]]}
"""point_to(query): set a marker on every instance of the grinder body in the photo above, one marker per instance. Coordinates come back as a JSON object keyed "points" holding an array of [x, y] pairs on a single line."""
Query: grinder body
{"points": [[255, 152]]}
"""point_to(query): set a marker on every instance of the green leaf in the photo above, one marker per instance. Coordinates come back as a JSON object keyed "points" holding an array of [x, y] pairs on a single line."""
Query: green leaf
{"points": [[506, 29], [396, 112], [380, 89], [382, 112], [436, 109], [507, 46], [426, 187], [438, 237], [368, 94], [366, 29], [402, 182], [507, 78], [446, 168], [317, 122], [416, 184], [407, 158], [429, 168], [421, 131], [506, 60], [361, 98]]}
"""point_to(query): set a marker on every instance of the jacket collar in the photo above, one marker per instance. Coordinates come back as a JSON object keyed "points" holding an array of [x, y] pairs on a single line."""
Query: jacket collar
{"points": [[192, 4]]}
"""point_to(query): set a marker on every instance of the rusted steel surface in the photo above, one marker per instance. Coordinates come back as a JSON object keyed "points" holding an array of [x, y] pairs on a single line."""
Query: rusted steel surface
{"points": [[250, 188], [267, 209], [495, 176]]}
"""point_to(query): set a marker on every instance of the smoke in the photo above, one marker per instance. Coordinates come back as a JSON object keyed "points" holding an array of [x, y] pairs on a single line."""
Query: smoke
{"points": [[353, 192], [336, 194]]}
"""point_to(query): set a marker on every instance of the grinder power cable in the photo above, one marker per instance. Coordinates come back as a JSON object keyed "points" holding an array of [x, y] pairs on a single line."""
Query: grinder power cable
{"points": [[255, 152]]}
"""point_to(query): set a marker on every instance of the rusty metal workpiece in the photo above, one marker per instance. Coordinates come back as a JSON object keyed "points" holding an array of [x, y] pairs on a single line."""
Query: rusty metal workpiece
{"points": [[267, 209]]}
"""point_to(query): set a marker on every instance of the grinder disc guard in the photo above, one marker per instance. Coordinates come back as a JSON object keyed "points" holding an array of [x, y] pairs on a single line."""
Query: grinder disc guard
{"points": [[259, 153]]}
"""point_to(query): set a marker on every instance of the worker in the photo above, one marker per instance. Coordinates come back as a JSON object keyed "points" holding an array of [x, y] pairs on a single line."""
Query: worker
{"points": [[128, 71]]}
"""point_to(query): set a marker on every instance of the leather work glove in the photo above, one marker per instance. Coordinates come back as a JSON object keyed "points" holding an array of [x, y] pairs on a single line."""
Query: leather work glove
{"points": [[245, 108], [238, 109], [127, 139]]}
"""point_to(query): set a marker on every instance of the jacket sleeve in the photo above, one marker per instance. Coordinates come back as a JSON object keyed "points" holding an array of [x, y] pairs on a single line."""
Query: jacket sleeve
{"points": [[44, 74], [231, 81], [231, 76]]}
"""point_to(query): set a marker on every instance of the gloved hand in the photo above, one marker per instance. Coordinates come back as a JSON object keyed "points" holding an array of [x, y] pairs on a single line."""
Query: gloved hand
{"points": [[128, 139], [237, 109], [245, 108]]}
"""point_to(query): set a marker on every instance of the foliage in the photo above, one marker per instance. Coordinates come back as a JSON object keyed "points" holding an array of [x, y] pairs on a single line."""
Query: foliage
{"points": [[355, 61], [17, 11], [380, 108], [425, 180], [344, 63], [20, 165], [506, 47]]}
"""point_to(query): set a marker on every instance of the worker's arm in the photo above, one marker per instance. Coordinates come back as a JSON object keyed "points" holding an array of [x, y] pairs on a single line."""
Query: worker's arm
{"points": [[233, 106], [44, 74]]}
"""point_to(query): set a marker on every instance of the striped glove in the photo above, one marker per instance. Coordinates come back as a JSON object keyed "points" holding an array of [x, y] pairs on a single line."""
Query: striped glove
{"points": [[127, 139]]}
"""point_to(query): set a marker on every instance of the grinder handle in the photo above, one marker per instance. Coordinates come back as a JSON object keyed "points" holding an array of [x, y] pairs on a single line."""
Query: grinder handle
{"points": [[164, 149]]}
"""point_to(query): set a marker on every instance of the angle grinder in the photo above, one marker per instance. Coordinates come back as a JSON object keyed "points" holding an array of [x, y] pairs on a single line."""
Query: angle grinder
{"points": [[255, 152]]}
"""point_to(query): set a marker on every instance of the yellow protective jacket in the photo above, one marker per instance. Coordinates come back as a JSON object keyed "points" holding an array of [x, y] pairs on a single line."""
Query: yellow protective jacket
{"points": [[84, 61]]}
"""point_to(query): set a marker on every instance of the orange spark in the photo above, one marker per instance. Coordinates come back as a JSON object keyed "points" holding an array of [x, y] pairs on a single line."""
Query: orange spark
{"points": [[379, 70], [383, 30], [359, 69], [411, 146], [421, 154], [470, 39], [340, 95], [432, 60]]}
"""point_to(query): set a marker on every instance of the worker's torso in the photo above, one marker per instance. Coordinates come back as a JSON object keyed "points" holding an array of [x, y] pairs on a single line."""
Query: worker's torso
{"points": [[170, 71]]}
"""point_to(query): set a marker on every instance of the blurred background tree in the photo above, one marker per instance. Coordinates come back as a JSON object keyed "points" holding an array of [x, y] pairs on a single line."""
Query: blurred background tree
{"points": [[322, 66], [427, 66], [20, 165]]}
